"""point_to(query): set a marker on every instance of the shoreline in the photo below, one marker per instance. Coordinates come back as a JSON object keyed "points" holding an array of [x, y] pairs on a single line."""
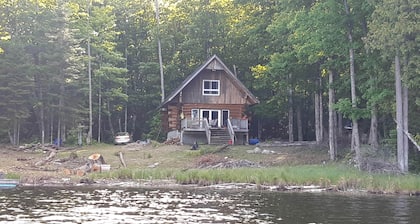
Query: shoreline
{"points": [[284, 169], [171, 184]]}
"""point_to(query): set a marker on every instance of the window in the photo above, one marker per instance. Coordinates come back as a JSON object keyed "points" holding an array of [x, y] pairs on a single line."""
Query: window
{"points": [[194, 114], [211, 87]]}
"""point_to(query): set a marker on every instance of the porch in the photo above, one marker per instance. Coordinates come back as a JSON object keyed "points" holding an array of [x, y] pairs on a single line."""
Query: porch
{"points": [[203, 131]]}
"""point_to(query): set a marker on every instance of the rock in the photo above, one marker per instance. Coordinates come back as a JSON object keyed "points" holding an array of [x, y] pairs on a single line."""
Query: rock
{"points": [[86, 181], [265, 151], [153, 165], [257, 150]]}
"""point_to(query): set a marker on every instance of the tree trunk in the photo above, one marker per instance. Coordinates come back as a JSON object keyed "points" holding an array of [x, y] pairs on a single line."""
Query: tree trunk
{"points": [[51, 127], [400, 117], [405, 126], [291, 136], [14, 137], [340, 126], [321, 114], [133, 124], [317, 120], [299, 123], [291, 117], [64, 132], [15, 128], [60, 109], [373, 133], [355, 126], [162, 83], [125, 116], [41, 110], [111, 127], [59, 132], [89, 136], [99, 112], [126, 90], [319, 127], [332, 137], [17, 140], [40, 98]]}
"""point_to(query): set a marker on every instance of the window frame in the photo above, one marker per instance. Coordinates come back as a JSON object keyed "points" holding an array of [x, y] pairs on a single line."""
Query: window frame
{"points": [[195, 114], [210, 91]]}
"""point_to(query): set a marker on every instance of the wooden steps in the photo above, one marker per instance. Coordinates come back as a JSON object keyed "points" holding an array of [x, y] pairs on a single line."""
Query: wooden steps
{"points": [[219, 136]]}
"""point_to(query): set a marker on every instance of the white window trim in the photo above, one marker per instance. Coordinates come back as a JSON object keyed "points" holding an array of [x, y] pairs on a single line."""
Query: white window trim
{"points": [[211, 90], [196, 115]]}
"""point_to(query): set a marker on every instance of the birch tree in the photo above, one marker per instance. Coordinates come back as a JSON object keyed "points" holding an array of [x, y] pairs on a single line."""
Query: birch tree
{"points": [[392, 30]]}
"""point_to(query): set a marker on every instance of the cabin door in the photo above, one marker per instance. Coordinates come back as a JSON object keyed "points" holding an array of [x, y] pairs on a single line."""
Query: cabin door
{"points": [[225, 117], [212, 116]]}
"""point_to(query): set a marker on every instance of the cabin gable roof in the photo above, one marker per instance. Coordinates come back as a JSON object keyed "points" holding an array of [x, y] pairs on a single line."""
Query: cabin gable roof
{"points": [[214, 64]]}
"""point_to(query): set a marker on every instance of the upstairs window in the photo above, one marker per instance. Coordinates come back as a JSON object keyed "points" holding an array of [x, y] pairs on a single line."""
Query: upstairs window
{"points": [[211, 87]]}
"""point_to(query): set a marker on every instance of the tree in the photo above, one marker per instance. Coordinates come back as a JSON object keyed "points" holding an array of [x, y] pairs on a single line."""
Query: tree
{"points": [[355, 140], [392, 30], [136, 23], [35, 39], [15, 90], [314, 32]]}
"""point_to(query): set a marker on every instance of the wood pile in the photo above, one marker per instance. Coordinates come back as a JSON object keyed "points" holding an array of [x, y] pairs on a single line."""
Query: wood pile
{"points": [[173, 141], [34, 147], [94, 163]]}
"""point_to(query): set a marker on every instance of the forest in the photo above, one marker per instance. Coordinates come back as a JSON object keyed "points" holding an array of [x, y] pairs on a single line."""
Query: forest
{"points": [[340, 72]]}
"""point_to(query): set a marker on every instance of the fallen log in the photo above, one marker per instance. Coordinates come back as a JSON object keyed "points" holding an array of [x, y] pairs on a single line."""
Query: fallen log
{"points": [[409, 136], [53, 153], [122, 159]]}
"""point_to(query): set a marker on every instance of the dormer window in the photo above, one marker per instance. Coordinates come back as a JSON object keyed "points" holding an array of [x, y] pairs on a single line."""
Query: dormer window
{"points": [[211, 87]]}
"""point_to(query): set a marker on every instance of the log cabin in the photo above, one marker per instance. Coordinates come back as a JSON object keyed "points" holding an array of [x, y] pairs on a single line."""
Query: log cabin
{"points": [[208, 107]]}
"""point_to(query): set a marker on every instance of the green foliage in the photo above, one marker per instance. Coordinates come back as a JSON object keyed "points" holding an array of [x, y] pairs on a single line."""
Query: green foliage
{"points": [[417, 138], [344, 106], [275, 46], [390, 141], [155, 132], [12, 176], [392, 29]]}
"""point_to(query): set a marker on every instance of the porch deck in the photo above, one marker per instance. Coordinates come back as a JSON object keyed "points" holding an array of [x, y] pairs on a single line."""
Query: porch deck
{"points": [[234, 130]]}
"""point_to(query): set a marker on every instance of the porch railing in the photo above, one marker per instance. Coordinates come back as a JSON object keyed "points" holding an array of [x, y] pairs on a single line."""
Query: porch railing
{"points": [[241, 124], [231, 131], [237, 124], [208, 132], [193, 124]]}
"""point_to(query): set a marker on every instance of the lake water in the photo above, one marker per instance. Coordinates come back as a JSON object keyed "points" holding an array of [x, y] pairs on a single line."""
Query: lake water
{"points": [[198, 205]]}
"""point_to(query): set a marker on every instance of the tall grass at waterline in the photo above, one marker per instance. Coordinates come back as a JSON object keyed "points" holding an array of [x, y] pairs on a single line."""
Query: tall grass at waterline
{"points": [[392, 183], [296, 175], [14, 176], [136, 174], [338, 177]]}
